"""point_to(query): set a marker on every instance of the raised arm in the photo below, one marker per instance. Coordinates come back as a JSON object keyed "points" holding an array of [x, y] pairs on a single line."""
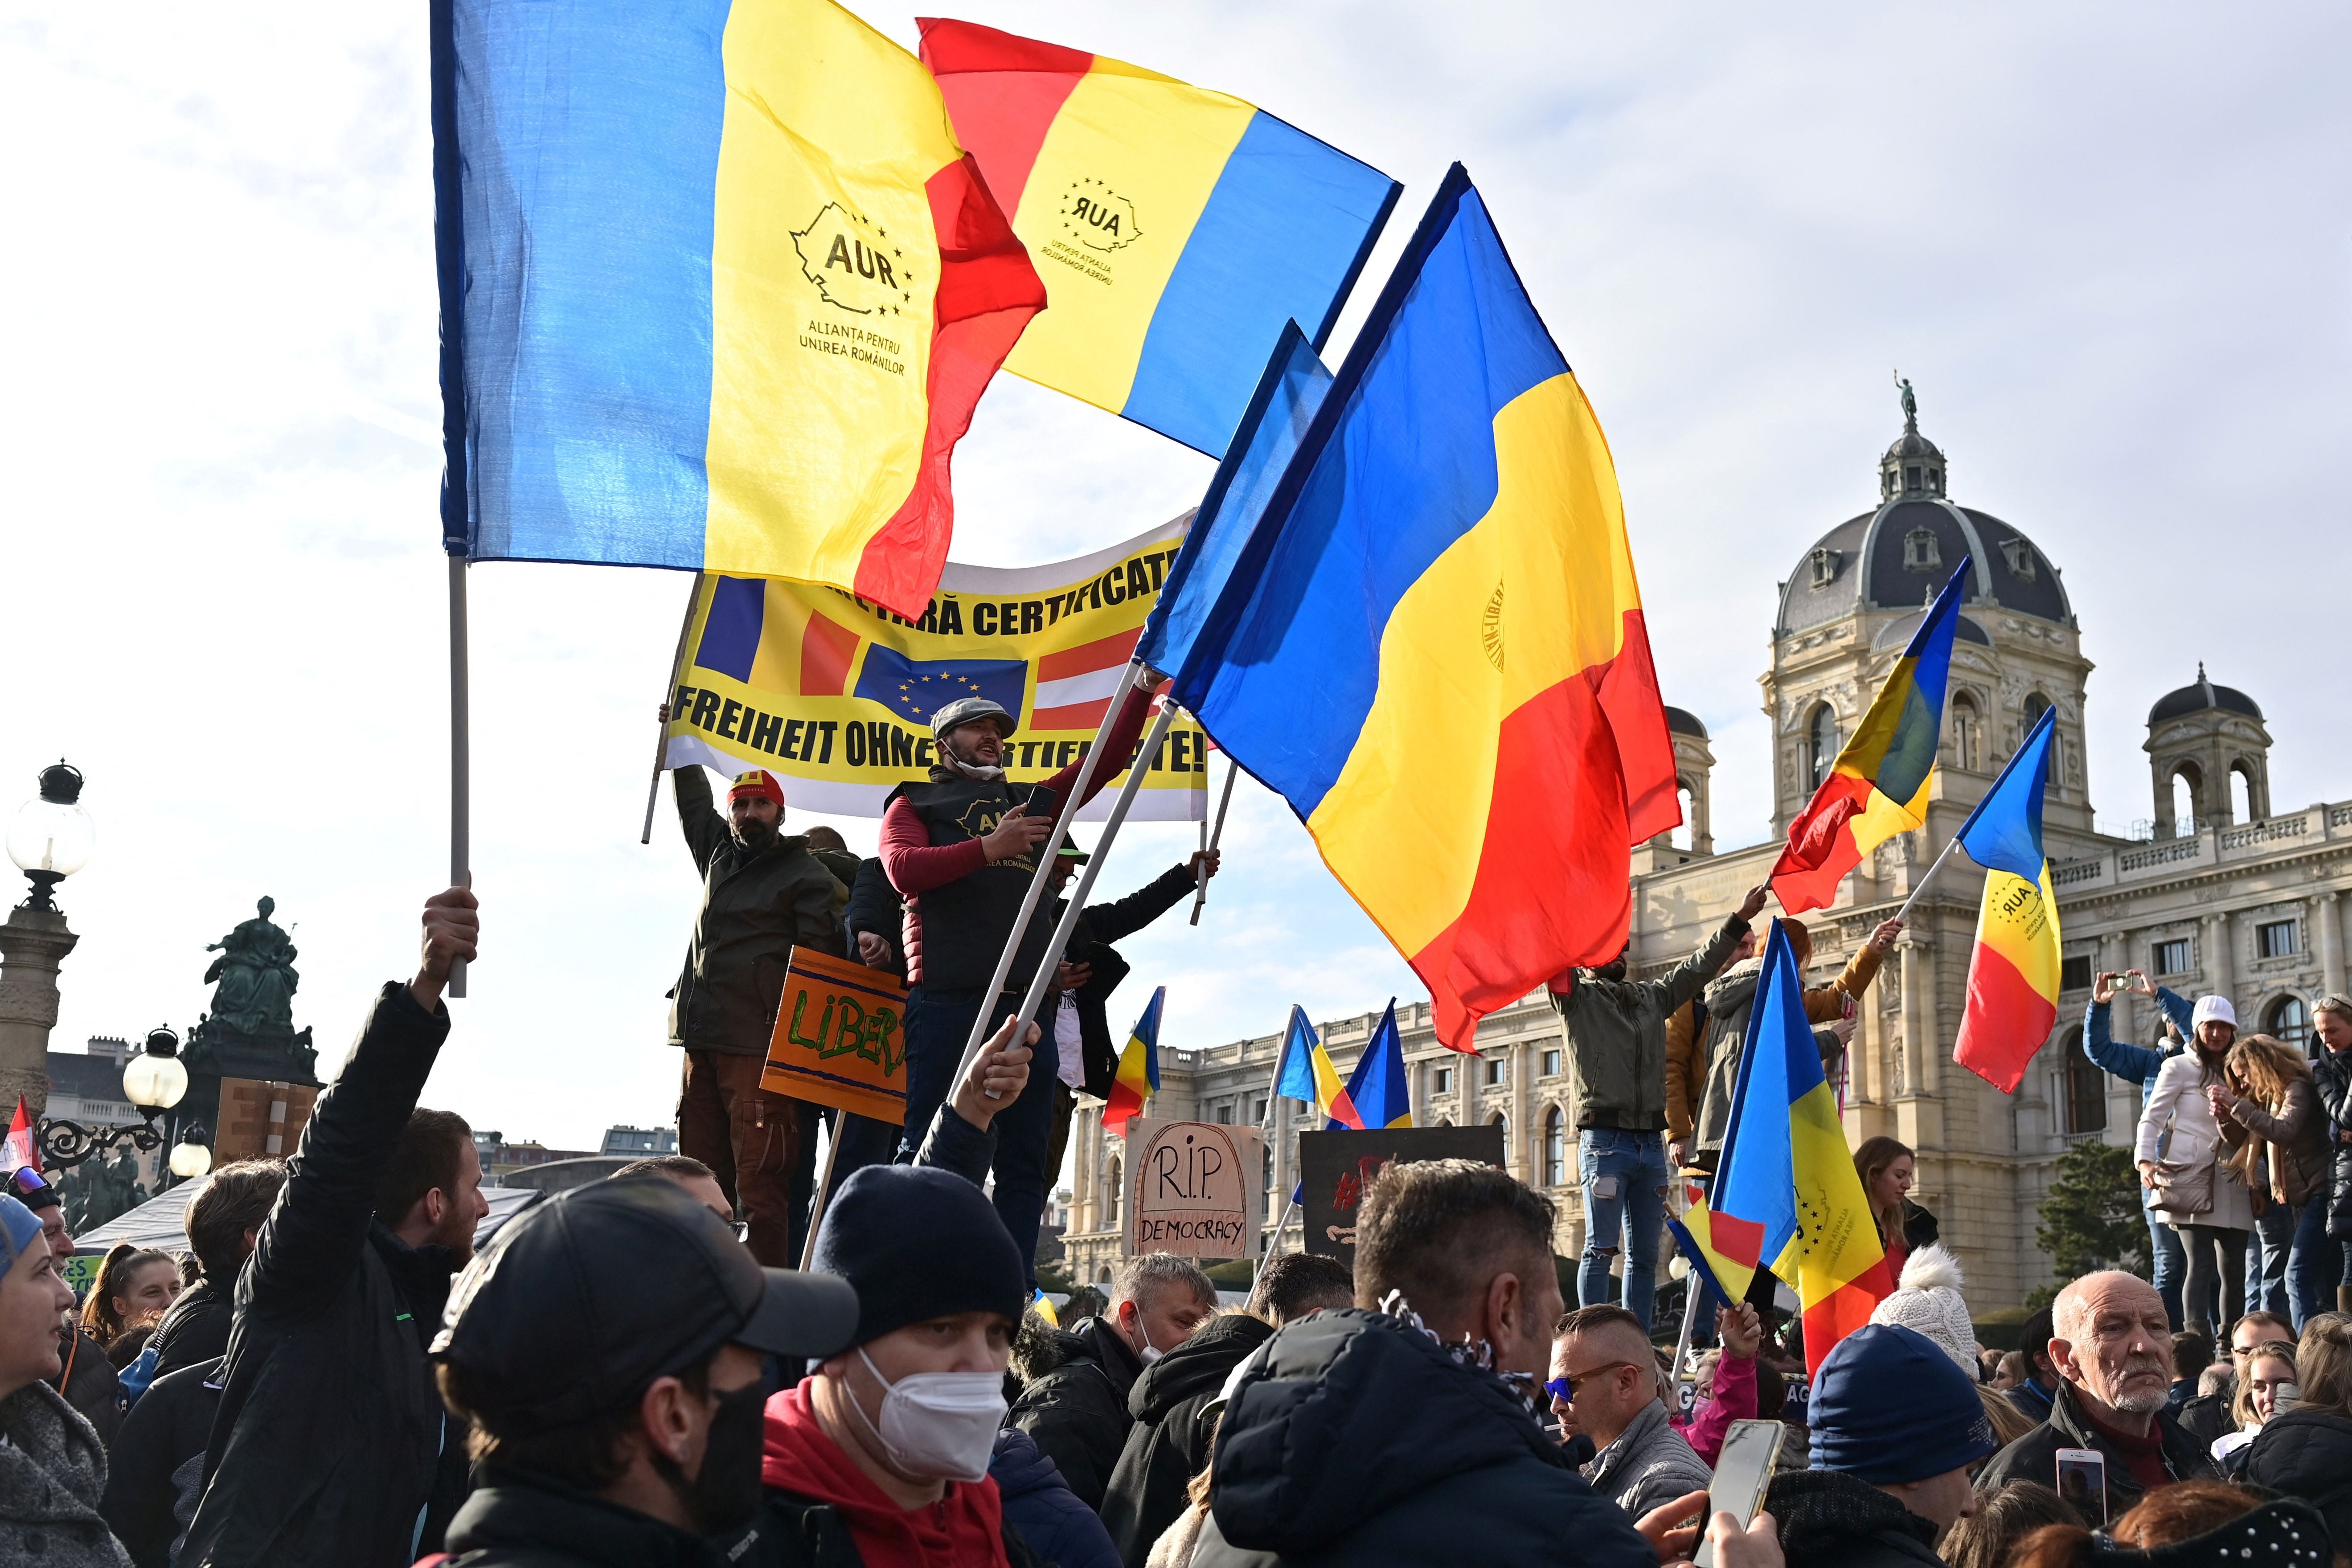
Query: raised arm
{"points": [[2133, 1064], [1689, 977], [1114, 922], [698, 817]]}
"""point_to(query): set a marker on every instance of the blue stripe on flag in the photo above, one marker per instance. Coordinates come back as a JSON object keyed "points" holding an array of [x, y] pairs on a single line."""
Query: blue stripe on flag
{"points": [[731, 633]]}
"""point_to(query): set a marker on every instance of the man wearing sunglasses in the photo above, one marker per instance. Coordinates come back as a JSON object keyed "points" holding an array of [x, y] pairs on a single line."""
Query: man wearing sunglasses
{"points": [[1606, 1375]]}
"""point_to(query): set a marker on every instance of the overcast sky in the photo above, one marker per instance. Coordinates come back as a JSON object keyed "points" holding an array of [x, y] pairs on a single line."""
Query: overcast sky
{"points": [[2106, 243]]}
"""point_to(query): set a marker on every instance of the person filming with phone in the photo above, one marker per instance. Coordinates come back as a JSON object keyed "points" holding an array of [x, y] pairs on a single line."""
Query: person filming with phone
{"points": [[961, 847]]}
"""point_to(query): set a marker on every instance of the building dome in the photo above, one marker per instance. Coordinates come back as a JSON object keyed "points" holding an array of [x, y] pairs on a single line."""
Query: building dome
{"points": [[2198, 697], [1898, 556], [1682, 721]]}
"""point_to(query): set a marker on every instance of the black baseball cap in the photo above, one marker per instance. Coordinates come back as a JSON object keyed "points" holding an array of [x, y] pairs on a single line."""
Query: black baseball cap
{"points": [[572, 1309]]}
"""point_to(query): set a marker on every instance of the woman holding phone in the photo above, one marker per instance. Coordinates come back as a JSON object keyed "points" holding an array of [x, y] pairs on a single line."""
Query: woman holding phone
{"points": [[2183, 1155], [2267, 1088]]}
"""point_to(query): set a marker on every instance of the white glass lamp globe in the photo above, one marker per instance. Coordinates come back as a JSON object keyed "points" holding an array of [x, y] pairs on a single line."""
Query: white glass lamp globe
{"points": [[51, 835], [154, 1082], [190, 1160]]}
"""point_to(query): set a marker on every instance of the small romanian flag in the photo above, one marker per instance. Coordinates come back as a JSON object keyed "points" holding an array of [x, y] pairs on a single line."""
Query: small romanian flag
{"points": [[1722, 1250], [1178, 230], [1308, 1074], [2014, 976], [1878, 786], [1138, 1068]]}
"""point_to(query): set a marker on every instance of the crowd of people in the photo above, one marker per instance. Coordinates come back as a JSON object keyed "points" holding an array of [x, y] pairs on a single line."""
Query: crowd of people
{"points": [[633, 1373]]}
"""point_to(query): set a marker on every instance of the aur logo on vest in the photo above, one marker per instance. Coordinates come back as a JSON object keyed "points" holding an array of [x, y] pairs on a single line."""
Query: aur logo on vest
{"points": [[854, 263]]}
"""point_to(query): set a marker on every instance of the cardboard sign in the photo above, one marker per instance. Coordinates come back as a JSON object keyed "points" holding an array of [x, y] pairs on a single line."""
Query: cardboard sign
{"points": [[840, 1037], [260, 1119], [1336, 1167], [1194, 1188]]}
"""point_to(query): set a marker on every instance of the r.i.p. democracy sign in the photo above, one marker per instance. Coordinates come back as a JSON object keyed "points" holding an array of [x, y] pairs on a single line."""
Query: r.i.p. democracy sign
{"points": [[1194, 1188]]}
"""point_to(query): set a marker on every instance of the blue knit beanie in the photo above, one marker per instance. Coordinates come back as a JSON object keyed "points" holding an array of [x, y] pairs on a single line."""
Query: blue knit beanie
{"points": [[1889, 1407], [20, 1232], [917, 1243]]}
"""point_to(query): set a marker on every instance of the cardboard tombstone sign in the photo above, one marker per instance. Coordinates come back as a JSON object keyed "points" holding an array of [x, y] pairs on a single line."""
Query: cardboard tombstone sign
{"points": [[1336, 1167], [1194, 1188]]}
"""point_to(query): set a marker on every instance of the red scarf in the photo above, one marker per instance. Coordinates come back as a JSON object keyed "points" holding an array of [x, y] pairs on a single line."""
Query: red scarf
{"points": [[2143, 1455], [965, 1529]]}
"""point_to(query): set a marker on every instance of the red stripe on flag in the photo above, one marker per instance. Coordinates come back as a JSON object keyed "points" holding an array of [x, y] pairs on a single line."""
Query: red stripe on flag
{"points": [[1004, 92], [1551, 890], [2005, 1022], [1103, 653], [826, 651], [987, 292], [1841, 1312], [1821, 848], [1735, 1240], [1076, 716], [1344, 1109], [1645, 751]]}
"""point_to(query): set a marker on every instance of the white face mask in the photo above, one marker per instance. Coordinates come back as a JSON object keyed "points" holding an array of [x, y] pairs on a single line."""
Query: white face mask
{"points": [[938, 1424]]}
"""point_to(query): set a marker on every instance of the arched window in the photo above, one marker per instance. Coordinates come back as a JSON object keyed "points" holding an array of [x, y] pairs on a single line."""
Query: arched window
{"points": [[2087, 1088], [1266, 1159], [2288, 1019], [1117, 1194], [2184, 802], [1554, 1155], [1682, 835], [2036, 705], [1821, 745], [1967, 733], [1446, 1121], [2241, 794], [1499, 1120]]}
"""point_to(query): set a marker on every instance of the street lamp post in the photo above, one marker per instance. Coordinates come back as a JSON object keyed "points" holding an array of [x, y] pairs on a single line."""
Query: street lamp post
{"points": [[153, 1081], [50, 839]]}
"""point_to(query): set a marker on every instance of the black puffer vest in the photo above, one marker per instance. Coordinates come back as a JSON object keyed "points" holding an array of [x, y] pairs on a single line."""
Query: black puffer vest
{"points": [[956, 933]]}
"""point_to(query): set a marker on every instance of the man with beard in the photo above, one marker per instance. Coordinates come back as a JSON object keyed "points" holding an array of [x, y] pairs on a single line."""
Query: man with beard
{"points": [[763, 894], [606, 1351], [2111, 1344], [330, 1444]]}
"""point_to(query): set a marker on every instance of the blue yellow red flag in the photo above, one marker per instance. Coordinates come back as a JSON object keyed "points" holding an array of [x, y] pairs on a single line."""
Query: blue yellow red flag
{"points": [[2014, 972], [1727, 1265], [1433, 649], [1786, 1193], [719, 290], [1177, 229], [1377, 1091], [1138, 1067], [1878, 786]]}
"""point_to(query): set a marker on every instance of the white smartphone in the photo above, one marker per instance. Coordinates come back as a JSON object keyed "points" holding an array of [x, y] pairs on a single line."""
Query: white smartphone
{"points": [[2082, 1481], [1742, 1472]]}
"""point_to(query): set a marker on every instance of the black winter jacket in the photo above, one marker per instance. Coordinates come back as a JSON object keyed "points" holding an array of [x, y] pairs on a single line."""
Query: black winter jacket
{"points": [[196, 1329], [331, 1444], [90, 1385], [1077, 1411], [2035, 1457], [1359, 1442], [1039, 1504], [2331, 1074], [875, 905], [518, 1521], [156, 1470], [1832, 1520], [755, 910], [2307, 1453], [795, 1532], [1168, 1444]]}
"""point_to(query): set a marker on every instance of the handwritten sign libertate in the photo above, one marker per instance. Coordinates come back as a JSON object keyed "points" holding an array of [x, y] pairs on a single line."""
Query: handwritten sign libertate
{"points": [[1194, 1188], [840, 1037]]}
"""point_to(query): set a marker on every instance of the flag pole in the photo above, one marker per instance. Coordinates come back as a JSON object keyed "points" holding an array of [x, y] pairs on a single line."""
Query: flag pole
{"points": [[1692, 1289], [1078, 899], [1201, 896], [461, 853], [1926, 881], [1065, 812], [824, 1186], [661, 737], [1274, 1242]]}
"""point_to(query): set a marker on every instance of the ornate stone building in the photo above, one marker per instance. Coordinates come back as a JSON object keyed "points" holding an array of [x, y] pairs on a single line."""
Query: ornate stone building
{"points": [[2210, 891]]}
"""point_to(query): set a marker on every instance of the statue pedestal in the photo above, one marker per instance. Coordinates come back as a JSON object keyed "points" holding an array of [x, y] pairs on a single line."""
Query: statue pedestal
{"points": [[32, 942], [216, 1050]]}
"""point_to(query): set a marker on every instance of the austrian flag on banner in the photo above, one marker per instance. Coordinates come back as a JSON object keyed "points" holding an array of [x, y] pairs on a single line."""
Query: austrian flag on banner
{"points": [[1075, 687]]}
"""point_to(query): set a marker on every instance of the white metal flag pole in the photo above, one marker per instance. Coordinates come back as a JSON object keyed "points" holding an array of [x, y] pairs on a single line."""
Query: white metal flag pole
{"points": [[661, 738], [1926, 881], [1065, 811], [461, 851], [1076, 905], [1274, 1242], [1201, 895], [1694, 1288]]}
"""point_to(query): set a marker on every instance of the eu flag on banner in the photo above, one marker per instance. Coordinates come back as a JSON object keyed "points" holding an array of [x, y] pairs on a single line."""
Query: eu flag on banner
{"points": [[916, 689]]}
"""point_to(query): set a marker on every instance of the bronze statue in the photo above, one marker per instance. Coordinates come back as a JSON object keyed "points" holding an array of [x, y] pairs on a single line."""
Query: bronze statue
{"points": [[1910, 406], [255, 976]]}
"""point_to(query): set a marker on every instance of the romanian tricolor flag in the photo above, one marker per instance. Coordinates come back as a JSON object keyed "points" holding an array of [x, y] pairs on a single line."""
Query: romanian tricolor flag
{"points": [[1177, 229], [1433, 647], [1138, 1068], [1878, 786], [719, 290], [2014, 975], [1786, 1193], [1722, 1250], [1378, 1093], [1306, 1074]]}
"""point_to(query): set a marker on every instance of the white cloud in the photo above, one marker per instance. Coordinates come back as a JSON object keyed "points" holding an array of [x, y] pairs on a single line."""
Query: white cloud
{"points": [[2106, 242]]}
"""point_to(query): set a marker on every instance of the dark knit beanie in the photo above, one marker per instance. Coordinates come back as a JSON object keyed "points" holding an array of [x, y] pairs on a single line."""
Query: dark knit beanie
{"points": [[1888, 1406], [917, 1243]]}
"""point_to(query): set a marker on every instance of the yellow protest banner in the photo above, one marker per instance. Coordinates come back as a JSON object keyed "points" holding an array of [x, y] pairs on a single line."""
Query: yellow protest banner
{"points": [[835, 695], [840, 1037]]}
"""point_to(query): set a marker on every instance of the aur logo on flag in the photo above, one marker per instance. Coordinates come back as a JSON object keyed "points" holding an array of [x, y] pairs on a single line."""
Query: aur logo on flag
{"points": [[1098, 217], [854, 264]]}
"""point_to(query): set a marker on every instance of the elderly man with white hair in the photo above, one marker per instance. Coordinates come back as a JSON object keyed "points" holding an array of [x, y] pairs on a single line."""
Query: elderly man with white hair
{"points": [[2112, 1345]]}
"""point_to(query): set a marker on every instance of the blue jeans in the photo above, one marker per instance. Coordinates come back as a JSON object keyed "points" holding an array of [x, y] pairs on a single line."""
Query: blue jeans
{"points": [[2313, 1263], [1624, 1176], [2273, 1245], [2170, 1260], [937, 1024]]}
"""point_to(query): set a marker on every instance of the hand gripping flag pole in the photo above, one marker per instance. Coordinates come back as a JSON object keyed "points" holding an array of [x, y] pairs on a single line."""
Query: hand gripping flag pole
{"points": [[461, 853], [1064, 815], [1208, 840], [661, 730]]}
